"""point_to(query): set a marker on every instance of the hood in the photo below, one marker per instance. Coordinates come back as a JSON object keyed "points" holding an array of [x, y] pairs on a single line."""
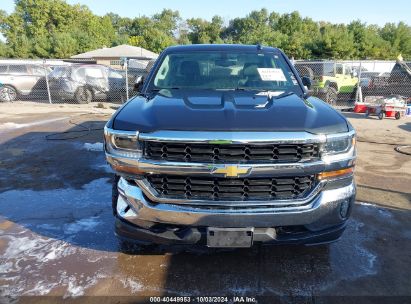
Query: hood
{"points": [[185, 110]]}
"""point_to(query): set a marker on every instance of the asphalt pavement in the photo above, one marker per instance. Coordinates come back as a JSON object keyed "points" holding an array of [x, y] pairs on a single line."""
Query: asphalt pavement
{"points": [[56, 225]]}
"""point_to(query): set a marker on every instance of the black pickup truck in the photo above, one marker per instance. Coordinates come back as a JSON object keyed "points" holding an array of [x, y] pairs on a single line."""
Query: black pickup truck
{"points": [[224, 147]]}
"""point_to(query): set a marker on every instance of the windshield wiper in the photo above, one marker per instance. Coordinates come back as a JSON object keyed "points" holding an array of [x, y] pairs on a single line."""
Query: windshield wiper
{"points": [[159, 89], [266, 91], [282, 95], [245, 89]]}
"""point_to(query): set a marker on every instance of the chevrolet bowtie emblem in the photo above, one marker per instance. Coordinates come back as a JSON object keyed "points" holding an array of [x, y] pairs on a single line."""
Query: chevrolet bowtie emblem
{"points": [[232, 171]]}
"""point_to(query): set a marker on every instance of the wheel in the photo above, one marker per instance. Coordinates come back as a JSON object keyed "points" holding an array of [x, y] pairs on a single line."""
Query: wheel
{"points": [[353, 94], [7, 94], [83, 95], [331, 96], [381, 115], [397, 115], [114, 193], [367, 113]]}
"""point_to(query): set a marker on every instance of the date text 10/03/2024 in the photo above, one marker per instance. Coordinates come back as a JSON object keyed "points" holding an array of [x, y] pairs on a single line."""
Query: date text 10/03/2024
{"points": [[205, 299]]}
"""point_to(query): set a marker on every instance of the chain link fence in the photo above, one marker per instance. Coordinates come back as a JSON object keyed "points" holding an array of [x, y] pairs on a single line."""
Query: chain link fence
{"points": [[64, 82], [343, 84], [340, 83]]}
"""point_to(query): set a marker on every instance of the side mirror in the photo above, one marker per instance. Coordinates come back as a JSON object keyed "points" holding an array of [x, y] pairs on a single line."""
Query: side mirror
{"points": [[306, 82], [138, 84]]}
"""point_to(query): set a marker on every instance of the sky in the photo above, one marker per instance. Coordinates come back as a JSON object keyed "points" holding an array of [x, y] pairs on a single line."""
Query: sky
{"points": [[336, 11]]}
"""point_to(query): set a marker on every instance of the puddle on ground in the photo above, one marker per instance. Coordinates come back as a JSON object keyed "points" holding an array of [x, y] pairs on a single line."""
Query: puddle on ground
{"points": [[62, 242]]}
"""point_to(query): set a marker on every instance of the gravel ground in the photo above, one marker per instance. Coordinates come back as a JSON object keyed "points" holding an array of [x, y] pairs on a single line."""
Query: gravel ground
{"points": [[56, 227]]}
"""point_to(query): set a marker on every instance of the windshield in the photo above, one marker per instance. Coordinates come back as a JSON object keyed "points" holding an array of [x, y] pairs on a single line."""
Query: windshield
{"points": [[225, 71]]}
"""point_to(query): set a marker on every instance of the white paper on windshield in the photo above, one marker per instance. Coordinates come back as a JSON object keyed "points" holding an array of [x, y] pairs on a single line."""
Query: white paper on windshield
{"points": [[270, 93], [271, 74]]}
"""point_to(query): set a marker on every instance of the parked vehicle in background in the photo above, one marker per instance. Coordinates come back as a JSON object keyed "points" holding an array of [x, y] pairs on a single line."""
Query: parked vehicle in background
{"points": [[393, 106], [331, 81], [22, 80], [367, 77], [358, 69], [397, 83], [135, 72], [87, 83], [225, 147]]}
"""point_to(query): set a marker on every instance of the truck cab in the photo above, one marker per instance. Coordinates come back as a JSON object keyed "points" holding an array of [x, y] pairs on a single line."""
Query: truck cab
{"points": [[224, 147]]}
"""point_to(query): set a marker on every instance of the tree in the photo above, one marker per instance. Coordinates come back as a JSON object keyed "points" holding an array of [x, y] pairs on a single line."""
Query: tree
{"points": [[253, 29], [367, 42], [300, 34], [121, 27], [54, 28], [64, 45], [31, 29], [399, 38], [336, 42], [202, 31], [155, 33], [167, 21], [182, 33], [4, 51]]}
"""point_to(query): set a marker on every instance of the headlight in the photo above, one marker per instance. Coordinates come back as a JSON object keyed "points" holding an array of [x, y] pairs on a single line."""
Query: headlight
{"points": [[122, 143], [339, 143]]}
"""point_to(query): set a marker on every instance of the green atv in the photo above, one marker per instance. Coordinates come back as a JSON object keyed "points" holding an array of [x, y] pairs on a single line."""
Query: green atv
{"points": [[331, 81]]}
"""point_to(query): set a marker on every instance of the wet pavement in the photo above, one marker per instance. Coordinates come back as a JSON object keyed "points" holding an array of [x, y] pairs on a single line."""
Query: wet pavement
{"points": [[56, 226]]}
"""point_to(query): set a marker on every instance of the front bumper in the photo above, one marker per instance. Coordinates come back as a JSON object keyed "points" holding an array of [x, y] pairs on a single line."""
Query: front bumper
{"points": [[197, 235], [141, 220], [144, 215]]}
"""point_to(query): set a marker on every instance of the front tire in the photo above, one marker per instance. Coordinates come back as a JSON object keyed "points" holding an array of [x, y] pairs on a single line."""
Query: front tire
{"points": [[397, 115], [381, 115], [83, 95], [8, 94]]}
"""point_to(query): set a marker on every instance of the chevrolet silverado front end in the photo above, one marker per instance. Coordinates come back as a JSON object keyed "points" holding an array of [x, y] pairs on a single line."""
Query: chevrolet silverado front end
{"points": [[224, 147]]}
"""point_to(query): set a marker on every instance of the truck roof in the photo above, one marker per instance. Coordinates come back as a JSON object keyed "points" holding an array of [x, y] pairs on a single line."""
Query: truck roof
{"points": [[221, 47]]}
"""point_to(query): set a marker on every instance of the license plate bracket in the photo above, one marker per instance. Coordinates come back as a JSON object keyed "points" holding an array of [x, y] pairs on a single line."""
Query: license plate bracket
{"points": [[230, 237]]}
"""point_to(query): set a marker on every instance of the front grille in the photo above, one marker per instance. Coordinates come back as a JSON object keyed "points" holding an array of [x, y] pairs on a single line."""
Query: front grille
{"points": [[238, 189], [216, 153]]}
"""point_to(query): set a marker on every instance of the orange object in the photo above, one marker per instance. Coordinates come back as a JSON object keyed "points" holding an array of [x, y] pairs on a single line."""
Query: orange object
{"points": [[360, 107], [126, 169], [334, 174]]}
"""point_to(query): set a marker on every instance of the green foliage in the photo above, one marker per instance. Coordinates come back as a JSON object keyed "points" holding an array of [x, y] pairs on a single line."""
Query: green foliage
{"points": [[154, 33], [202, 31], [51, 28], [4, 51], [121, 28], [55, 29], [398, 37], [64, 45], [336, 42]]}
